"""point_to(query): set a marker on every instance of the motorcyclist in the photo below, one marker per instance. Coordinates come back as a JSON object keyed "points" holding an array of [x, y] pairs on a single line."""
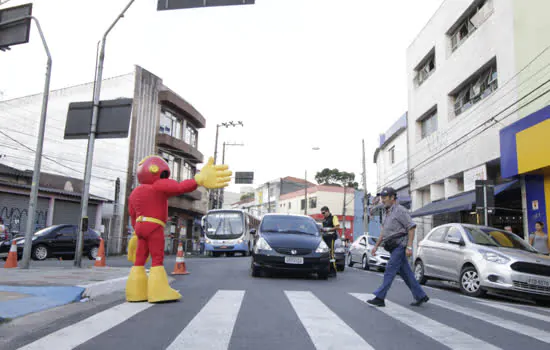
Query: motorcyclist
{"points": [[330, 230]]}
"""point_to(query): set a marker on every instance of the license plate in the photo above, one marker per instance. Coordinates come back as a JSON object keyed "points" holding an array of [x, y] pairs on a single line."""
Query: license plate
{"points": [[538, 282], [223, 247], [294, 260]]}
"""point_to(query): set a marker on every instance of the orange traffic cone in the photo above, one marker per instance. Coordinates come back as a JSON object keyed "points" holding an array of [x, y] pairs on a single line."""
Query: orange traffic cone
{"points": [[100, 258], [179, 268], [11, 262]]}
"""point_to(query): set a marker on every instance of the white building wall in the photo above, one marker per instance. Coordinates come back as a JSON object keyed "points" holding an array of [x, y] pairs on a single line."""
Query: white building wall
{"points": [[452, 148], [20, 118], [333, 200], [393, 175]]}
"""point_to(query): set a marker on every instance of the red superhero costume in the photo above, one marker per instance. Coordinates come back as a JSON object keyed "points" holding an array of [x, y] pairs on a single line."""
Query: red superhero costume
{"points": [[148, 209]]}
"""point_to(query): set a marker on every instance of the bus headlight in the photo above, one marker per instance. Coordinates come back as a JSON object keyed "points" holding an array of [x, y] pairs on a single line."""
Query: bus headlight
{"points": [[208, 241], [261, 245]]}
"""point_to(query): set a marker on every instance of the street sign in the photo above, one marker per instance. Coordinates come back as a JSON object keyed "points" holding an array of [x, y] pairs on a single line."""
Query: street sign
{"points": [[113, 120], [18, 32], [187, 4], [242, 177]]}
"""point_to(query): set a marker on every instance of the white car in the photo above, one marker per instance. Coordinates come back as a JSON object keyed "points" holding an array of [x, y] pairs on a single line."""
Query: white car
{"points": [[360, 252]]}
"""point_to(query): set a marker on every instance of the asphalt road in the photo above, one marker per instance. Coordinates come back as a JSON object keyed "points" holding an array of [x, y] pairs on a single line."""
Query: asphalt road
{"points": [[223, 307]]}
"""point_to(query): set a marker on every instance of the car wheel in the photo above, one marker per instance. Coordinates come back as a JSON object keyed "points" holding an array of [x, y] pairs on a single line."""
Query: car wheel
{"points": [[254, 271], [365, 262], [40, 252], [470, 283], [419, 272], [349, 260], [92, 255]]}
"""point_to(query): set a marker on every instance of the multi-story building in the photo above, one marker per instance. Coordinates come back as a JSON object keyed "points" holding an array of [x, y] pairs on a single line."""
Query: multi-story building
{"points": [[161, 123], [267, 196], [391, 159], [333, 196], [466, 78]]}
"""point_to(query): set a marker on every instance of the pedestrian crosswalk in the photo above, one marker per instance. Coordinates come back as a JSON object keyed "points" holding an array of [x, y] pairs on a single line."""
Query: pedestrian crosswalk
{"points": [[439, 324]]}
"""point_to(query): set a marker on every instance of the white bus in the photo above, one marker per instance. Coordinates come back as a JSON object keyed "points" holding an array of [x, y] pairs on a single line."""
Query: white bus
{"points": [[228, 231]]}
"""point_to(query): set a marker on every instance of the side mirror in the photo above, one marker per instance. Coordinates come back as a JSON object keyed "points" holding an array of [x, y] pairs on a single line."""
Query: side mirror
{"points": [[252, 231], [455, 240]]}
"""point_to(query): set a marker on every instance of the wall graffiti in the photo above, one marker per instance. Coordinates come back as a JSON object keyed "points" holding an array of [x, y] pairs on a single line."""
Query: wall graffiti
{"points": [[16, 219]]}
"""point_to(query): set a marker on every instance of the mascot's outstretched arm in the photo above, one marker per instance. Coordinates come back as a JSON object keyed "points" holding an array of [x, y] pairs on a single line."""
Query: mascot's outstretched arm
{"points": [[148, 205]]}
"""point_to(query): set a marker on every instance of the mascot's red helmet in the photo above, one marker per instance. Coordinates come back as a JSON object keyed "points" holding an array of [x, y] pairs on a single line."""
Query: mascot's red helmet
{"points": [[151, 169]]}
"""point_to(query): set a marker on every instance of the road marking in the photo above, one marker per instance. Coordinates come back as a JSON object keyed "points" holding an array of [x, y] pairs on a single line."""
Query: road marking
{"points": [[326, 330], [448, 336], [213, 326], [517, 311], [79, 333], [529, 331]]}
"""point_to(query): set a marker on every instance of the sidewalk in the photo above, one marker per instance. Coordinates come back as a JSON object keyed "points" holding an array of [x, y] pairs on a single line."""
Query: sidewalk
{"points": [[44, 287]]}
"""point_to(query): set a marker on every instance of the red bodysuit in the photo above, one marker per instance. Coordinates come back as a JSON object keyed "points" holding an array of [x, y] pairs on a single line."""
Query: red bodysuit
{"points": [[151, 201]]}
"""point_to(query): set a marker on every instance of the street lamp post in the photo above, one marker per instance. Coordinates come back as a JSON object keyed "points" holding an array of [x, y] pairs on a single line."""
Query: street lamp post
{"points": [[223, 162], [305, 183], [214, 197]]}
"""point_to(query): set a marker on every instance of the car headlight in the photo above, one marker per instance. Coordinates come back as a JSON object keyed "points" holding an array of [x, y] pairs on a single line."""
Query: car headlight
{"points": [[261, 245], [339, 250], [322, 248], [494, 257]]}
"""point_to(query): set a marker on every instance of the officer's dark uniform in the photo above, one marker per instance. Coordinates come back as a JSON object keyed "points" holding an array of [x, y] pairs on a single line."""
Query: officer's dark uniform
{"points": [[329, 238]]}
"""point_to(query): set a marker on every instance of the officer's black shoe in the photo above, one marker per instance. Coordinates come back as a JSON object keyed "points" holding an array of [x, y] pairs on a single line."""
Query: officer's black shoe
{"points": [[376, 302], [420, 301]]}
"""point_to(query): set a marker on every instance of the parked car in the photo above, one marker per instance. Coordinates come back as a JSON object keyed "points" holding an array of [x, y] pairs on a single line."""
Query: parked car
{"points": [[360, 252], [482, 259], [288, 242], [55, 241]]}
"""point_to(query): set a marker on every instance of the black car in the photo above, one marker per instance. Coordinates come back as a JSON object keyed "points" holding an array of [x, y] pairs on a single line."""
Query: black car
{"points": [[289, 243], [55, 241]]}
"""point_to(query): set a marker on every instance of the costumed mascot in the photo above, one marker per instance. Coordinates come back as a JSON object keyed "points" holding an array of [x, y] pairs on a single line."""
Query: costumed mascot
{"points": [[148, 209]]}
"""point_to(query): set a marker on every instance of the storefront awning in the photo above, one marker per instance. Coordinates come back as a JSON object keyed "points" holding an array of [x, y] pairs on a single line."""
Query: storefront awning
{"points": [[462, 202]]}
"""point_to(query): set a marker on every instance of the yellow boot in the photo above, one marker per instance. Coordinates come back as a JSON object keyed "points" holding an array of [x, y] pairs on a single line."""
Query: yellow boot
{"points": [[159, 289], [136, 285]]}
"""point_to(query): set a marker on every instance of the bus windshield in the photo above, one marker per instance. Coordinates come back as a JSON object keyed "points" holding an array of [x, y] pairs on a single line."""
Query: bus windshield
{"points": [[224, 225]]}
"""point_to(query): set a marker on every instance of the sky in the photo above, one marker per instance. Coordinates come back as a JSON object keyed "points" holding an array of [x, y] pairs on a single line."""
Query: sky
{"points": [[299, 74]]}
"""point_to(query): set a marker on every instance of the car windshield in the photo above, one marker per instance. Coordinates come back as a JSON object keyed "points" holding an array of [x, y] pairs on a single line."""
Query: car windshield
{"points": [[498, 238], [224, 225], [289, 224]]}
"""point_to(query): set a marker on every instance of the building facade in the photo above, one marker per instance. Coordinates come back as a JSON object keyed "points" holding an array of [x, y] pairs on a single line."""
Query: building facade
{"points": [[391, 159], [319, 196], [468, 70], [161, 123]]}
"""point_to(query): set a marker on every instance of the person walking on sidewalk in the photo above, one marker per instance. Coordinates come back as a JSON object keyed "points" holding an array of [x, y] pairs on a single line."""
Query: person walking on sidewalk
{"points": [[397, 238]]}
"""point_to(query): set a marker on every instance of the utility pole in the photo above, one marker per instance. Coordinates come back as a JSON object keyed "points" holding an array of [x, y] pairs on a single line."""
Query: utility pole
{"points": [[31, 213], [305, 189], [268, 198], [214, 198], [83, 226], [366, 216], [344, 213]]}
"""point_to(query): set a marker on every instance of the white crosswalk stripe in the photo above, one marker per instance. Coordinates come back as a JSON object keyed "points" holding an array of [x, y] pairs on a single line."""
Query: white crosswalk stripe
{"points": [[448, 336], [72, 336], [213, 325], [326, 330], [529, 331], [517, 311]]}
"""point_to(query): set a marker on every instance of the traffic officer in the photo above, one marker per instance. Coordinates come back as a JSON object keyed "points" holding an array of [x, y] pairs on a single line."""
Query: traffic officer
{"points": [[330, 227]]}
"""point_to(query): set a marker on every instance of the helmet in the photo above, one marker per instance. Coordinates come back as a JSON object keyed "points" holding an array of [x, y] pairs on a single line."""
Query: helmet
{"points": [[151, 169]]}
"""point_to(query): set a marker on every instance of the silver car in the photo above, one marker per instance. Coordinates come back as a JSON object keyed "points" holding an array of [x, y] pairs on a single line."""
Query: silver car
{"points": [[482, 259], [360, 251]]}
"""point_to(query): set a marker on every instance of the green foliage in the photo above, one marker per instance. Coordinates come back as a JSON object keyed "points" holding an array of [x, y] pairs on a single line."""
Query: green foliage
{"points": [[336, 177], [247, 196]]}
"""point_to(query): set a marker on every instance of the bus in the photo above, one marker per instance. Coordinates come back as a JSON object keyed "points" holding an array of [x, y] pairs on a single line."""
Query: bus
{"points": [[227, 231]]}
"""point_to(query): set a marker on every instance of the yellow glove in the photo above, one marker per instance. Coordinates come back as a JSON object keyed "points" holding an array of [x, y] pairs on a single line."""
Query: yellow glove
{"points": [[132, 249], [213, 176]]}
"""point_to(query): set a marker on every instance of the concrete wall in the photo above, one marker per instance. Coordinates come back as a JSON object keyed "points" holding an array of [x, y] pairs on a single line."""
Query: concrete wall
{"points": [[333, 200], [394, 175]]}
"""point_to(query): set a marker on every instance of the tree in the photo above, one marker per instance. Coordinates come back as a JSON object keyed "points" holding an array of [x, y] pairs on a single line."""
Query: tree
{"points": [[336, 177], [247, 196]]}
